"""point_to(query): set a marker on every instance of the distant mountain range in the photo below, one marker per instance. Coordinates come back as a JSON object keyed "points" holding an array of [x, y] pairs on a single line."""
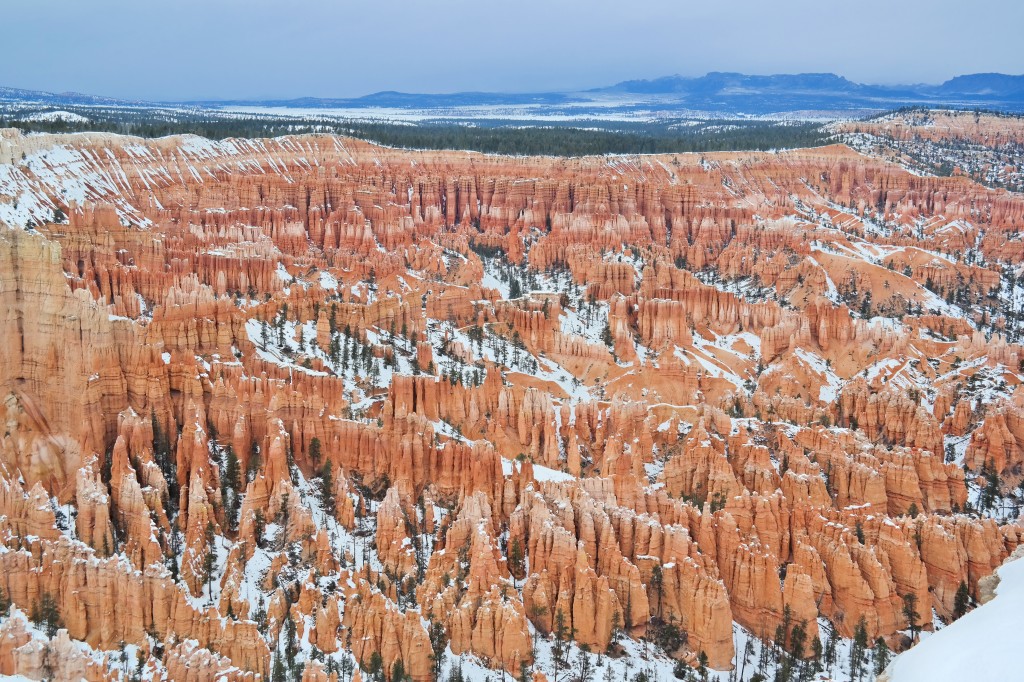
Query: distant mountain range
{"points": [[739, 92], [717, 92], [62, 98]]}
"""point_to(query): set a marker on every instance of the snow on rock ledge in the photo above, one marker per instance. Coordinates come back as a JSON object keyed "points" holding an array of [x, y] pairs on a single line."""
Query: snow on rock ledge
{"points": [[983, 645]]}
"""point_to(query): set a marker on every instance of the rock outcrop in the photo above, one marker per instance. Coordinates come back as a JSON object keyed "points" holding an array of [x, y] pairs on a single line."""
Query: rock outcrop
{"points": [[341, 406]]}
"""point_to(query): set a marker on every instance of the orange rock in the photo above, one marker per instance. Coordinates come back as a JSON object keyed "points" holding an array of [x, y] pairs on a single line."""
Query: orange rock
{"points": [[682, 424]]}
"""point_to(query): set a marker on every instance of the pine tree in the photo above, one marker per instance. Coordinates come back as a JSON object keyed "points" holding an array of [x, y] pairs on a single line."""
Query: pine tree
{"points": [[438, 642], [230, 486], [166, 461], [290, 642], [563, 634], [962, 600], [990, 493], [881, 655], [347, 668], [315, 452], [327, 490], [829, 654], [656, 584], [210, 559], [797, 639], [259, 525], [173, 550], [46, 615], [816, 652], [282, 522], [911, 614], [858, 649], [515, 558], [616, 630], [252, 467], [279, 674], [334, 349], [584, 666], [375, 667], [606, 335]]}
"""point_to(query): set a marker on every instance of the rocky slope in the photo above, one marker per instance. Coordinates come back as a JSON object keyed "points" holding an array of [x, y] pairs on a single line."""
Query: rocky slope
{"points": [[952, 654], [988, 147], [306, 408]]}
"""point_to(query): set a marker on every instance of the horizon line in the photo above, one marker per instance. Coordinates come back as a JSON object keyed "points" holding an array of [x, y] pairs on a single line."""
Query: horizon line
{"points": [[563, 91]]}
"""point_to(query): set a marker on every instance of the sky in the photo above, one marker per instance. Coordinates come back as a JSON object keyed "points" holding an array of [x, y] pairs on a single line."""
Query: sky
{"points": [[233, 49]]}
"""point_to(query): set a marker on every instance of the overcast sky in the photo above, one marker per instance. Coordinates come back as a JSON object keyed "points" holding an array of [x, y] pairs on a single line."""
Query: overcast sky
{"points": [[220, 49]]}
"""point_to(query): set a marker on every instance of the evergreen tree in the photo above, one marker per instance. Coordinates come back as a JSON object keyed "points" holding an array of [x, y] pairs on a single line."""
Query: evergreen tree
{"points": [[166, 461], [616, 630], [962, 600], [315, 452], [563, 634], [557, 140], [252, 467], [375, 667], [656, 585], [990, 493], [173, 550], [817, 652], [881, 655], [259, 525], [45, 615], [584, 666], [455, 675], [347, 668], [279, 674], [702, 665], [829, 654], [606, 335], [327, 490], [438, 642], [210, 559], [231, 484], [911, 614], [858, 649], [515, 289], [797, 639], [515, 558], [282, 521], [290, 642]]}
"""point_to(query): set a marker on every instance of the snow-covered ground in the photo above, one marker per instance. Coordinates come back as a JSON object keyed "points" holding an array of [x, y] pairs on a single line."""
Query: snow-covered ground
{"points": [[58, 115], [983, 645]]}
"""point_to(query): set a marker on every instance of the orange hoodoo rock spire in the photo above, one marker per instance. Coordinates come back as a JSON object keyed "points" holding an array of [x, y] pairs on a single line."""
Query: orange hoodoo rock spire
{"points": [[309, 402]]}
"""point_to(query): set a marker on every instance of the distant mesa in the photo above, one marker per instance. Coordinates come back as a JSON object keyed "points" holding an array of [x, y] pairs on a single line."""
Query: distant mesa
{"points": [[718, 92]]}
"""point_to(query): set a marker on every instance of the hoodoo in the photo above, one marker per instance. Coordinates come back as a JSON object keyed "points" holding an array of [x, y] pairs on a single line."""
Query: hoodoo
{"points": [[307, 407]]}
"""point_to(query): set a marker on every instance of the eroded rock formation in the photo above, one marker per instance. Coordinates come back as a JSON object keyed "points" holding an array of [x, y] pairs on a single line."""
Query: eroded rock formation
{"points": [[310, 401]]}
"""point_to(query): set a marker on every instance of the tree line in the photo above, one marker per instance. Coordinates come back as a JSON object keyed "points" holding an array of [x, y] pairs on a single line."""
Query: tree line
{"points": [[497, 137]]}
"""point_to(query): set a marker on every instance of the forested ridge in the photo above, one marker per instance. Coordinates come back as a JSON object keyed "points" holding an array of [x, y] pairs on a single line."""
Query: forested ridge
{"points": [[485, 136]]}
